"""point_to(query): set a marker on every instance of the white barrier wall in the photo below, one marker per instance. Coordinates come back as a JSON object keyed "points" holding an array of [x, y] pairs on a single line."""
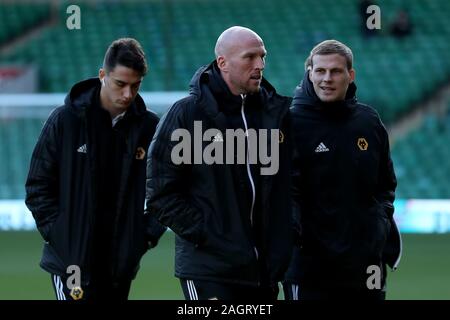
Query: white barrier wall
{"points": [[412, 216], [40, 105], [14, 215]]}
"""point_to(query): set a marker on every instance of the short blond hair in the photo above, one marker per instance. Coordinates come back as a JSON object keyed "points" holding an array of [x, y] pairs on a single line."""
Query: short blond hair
{"points": [[330, 47]]}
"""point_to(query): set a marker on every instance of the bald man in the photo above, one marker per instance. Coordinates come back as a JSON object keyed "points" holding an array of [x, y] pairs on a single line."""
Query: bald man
{"points": [[231, 216]]}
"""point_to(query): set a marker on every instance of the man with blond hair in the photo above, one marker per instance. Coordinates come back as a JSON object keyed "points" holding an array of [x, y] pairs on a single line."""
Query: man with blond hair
{"points": [[343, 186]]}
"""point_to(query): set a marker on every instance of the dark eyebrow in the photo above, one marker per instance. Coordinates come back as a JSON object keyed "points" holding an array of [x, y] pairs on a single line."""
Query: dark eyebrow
{"points": [[124, 83], [119, 81]]}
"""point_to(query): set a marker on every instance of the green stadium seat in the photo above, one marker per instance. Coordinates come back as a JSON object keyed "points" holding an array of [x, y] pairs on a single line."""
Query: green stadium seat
{"points": [[421, 162]]}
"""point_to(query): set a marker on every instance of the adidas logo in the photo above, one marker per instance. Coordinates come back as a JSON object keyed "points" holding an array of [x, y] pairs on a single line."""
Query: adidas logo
{"points": [[218, 137], [322, 148], [82, 149]]}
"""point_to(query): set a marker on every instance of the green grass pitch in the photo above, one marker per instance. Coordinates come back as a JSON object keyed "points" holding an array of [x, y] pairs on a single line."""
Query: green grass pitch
{"points": [[424, 272]]}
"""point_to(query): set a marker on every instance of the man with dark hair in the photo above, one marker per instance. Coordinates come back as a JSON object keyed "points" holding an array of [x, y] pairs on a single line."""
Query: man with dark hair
{"points": [[86, 184], [232, 220], [343, 186]]}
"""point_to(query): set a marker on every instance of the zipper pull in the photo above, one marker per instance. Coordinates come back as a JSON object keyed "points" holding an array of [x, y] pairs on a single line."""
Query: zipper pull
{"points": [[256, 253]]}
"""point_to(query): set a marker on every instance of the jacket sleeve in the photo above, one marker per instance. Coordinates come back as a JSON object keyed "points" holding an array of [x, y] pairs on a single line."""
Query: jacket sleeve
{"points": [[295, 192], [42, 181], [153, 229], [385, 195], [295, 183], [387, 181], [167, 194]]}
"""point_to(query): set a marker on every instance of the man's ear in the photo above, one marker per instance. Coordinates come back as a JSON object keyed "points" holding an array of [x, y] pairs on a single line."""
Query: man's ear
{"points": [[221, 63], [352, 75], [101, 75]]}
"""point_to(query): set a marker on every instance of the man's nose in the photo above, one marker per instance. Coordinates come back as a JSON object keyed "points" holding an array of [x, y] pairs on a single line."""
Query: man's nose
{"points": [[260, 63], [127, 93], [327, 76]]}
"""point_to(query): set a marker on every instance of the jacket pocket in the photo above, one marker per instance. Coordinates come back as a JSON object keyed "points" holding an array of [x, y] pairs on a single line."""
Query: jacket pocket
{"points": [[52, 261], [53, 229], [376, 226], [196, 231], [232, 250], [45, 230]]}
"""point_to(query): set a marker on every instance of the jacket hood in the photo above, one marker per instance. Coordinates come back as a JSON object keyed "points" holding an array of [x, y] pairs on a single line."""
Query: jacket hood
{"points": [[86, 93], [202, 75], [305, 96]]}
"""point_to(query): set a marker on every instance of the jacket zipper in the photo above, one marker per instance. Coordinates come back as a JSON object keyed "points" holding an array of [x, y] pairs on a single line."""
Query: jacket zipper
{"points": [[120, 205], [249, 173]]}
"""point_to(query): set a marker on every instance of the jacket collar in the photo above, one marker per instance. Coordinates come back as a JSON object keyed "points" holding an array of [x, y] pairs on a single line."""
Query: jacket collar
{"points": [[85, 94], [201, 88], [306, 97]]}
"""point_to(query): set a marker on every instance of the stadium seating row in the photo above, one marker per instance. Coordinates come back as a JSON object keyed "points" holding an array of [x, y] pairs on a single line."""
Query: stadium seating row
{"points": [[17, 18], [179, 37]]}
